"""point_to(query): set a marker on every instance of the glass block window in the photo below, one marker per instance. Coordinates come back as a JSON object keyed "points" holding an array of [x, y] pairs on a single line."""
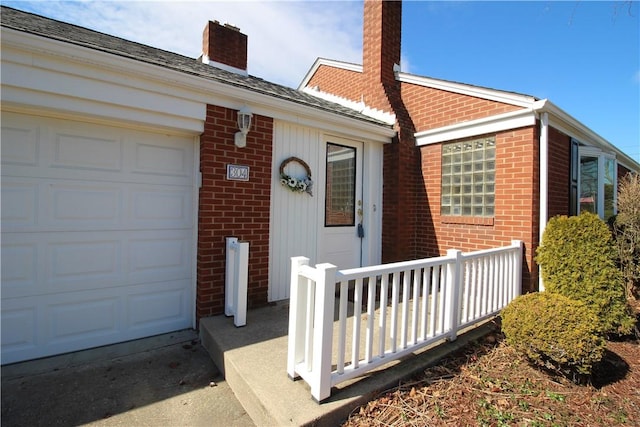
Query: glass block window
{"points": [[468, 178]]}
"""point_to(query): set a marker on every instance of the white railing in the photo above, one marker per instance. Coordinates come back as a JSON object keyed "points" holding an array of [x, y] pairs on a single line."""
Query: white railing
{"points": [[409, 305], [236, 280]]}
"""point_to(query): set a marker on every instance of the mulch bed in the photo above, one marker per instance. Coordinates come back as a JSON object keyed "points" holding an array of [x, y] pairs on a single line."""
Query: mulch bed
{"points": [[489, 384]]}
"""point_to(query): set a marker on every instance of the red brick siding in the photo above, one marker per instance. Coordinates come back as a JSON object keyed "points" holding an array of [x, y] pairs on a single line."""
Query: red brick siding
{"points": [[516, 203], [382, 27], [233, 208], [434, 108], [559, 171], [622, 172], [337, 81]]}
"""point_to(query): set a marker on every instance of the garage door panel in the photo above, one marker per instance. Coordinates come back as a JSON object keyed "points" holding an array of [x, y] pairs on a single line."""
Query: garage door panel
{"points": [[19, 202], [160, 207], [44, 325], [20, 144], [99, 318], [156, 305], [156, 259], [83, 264], [161, 160], [19, 268], [92, 204], [86, 152], [97, 235], [19, 331], [30, 205]]}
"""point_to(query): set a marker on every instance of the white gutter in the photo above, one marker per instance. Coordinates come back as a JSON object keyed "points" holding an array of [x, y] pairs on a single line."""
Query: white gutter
{"points": [[544, 182]]}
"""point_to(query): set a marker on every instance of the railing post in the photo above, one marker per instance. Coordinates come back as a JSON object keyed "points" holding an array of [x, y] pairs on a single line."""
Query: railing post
{"points": [[240, 288], [453, 285], [236, 279], [230, 275], [297, 316], [323, 331], [518, 268]]}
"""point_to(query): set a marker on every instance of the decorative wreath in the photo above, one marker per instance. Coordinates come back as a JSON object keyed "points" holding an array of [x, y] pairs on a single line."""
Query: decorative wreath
{"points": [[297, 185]]}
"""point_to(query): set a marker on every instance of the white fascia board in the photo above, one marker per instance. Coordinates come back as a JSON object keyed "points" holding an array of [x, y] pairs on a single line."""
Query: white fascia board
{"points": [[485, 125], [469, 90], [331, 63], [52, 105], [569, 125], [86, 89]]}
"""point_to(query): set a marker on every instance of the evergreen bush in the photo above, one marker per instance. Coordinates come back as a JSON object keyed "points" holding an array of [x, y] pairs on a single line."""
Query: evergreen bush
{"points": [[555, 332], [578, 260]]}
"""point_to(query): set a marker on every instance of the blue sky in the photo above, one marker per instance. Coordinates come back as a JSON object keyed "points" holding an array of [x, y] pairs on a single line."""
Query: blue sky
{"points": [[584, 56]]}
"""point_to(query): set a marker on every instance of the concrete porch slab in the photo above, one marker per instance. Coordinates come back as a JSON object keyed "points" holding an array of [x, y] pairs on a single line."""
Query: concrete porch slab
{"points": [[253, 360]]}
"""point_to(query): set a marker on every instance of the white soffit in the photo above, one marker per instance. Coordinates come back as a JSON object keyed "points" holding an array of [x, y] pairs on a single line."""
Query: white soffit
{"points": [[492, 124], [360, 107]]}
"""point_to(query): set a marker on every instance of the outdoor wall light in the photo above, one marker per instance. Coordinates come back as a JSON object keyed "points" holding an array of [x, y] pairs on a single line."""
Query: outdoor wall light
{"points": [[244, 124]]}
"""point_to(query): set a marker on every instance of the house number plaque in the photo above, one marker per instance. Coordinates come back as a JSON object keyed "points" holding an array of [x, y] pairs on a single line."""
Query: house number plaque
{"points": [[237, 173]]}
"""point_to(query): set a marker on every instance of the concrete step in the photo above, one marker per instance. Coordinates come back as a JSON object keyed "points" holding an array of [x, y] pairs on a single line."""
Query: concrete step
{"points": [[253, 360]]}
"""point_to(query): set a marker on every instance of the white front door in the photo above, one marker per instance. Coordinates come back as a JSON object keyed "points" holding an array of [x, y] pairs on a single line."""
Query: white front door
{"points": [[342, 228]]}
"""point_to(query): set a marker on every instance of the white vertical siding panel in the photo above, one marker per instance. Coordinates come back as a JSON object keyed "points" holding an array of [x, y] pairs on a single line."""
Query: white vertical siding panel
{"points": [[294, 216]]}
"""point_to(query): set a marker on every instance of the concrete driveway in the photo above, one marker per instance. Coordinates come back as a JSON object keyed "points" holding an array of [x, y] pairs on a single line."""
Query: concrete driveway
{"points": [[168, 380]]}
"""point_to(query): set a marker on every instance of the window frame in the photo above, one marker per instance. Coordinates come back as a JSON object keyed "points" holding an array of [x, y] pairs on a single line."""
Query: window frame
{"points": [[602, 158], [350, 219]]}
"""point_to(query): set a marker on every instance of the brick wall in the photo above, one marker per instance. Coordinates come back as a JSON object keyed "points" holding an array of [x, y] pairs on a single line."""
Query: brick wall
{"points": [[434, 108], [559, 170], [232, 208], [337, 81], [516, 203]]}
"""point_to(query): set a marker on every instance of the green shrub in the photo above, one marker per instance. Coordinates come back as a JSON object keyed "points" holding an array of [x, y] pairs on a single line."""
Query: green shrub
{"points": [[578, 260], [554, 331], [626, 229]]}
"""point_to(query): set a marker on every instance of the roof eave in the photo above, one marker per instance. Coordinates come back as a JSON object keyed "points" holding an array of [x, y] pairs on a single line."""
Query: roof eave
{"points": [[196, 87], [569, 125]]}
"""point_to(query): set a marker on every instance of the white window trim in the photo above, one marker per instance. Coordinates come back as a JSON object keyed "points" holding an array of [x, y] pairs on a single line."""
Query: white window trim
{"points": [[472, 128], [602, 157]]}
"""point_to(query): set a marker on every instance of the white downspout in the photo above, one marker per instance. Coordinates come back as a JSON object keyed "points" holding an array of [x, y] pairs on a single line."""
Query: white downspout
{"points": [[544, 182]]}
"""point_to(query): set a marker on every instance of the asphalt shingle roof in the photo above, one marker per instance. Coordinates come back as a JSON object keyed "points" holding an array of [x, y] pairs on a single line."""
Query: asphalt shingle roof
{"points": [[73, 34]]}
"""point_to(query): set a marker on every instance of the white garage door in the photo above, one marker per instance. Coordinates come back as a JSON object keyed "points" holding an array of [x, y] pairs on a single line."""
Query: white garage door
{"points": [[97, 235]]}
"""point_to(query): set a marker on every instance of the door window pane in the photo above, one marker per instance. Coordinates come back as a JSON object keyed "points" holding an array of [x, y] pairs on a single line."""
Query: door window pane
{"points": [[341, 186]]}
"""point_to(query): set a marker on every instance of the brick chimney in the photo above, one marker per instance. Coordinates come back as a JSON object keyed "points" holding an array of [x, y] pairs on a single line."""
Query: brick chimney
{"points": [[381, 48], [224, 45]]}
